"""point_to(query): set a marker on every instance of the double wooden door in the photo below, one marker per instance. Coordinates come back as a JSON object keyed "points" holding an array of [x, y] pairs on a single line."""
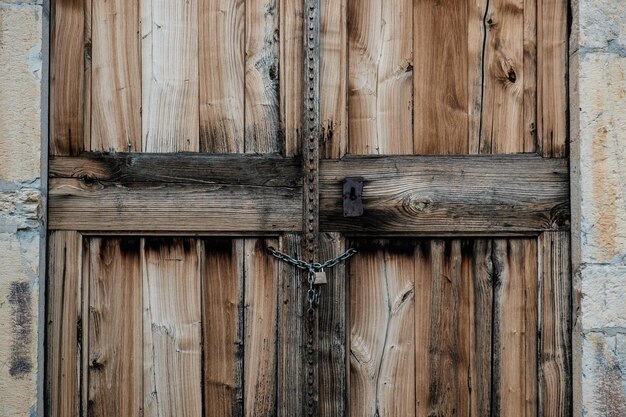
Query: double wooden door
{"points": [[187, 137]]}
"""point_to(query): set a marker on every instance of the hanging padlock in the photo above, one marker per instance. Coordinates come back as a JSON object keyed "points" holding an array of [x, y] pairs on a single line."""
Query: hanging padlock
{"points": [[320, 278]]}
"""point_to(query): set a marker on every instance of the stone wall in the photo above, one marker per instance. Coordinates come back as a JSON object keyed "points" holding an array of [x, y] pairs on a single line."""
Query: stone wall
{"points": [[21, 205], [598, 132]]}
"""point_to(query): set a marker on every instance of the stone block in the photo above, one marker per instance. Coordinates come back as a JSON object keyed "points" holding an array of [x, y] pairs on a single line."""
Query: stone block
{"points": [[604, 379], [602, 24], [602, 157], [20, 93], [603, 296]]}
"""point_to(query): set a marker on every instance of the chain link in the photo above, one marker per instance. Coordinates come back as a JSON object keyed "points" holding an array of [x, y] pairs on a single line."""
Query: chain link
{"points": [[313, 293]]}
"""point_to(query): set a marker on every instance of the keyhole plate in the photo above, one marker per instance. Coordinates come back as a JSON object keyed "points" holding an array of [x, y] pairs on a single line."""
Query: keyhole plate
{"points": [[352, 197]]}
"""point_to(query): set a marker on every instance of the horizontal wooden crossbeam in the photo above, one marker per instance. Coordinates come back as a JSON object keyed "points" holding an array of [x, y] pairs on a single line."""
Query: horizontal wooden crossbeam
{"points": [[243, 194]]}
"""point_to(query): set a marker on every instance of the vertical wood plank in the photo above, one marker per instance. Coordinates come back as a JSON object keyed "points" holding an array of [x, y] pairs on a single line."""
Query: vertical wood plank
{"points": [[333, 339], [555, 386], [115, 77], [443, 323], [552, 77], [290, 330], [481, 303], [380, 77], [476, 32], [382, 322], [260, 329], [87, 74], [530, 76], [170, 111], [503, 102], [221, 75], [263, 132], [440, 81], [66, 77], [291, 58], [115, 327], [172, 328], [514, 377], [222, 307], [333, 78], [64, 322]]}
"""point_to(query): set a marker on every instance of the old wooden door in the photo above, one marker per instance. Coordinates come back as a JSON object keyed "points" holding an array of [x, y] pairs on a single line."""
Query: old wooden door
{"points": [[187, 137]]}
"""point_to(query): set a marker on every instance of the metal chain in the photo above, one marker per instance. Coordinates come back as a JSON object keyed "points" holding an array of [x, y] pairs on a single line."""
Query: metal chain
{"points": [[313, 294]]}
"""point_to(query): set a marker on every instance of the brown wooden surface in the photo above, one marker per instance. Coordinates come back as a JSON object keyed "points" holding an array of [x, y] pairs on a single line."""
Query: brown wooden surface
{"points": [[67, 62], [380, 57], [115, 76], [555, 325], [172, 348], [439, 195], [75, 205], [115, 327], [223, 327], [64, 323], [221, 75]]}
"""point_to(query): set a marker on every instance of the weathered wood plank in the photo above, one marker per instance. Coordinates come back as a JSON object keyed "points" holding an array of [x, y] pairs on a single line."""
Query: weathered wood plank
{"points": [[291, 59], [503, 102], [443, 325], [222, 318], [64, 322], [75, 205], [555, 349], [476, 13], [530, 76], [180, 168], [333, 78], [504, 194], [221, 75], [67, 77], [380, 77], [440, 42], [514, 360], [263, 132], [552, 73], [115, 328], [382, 340], [115, 76], [172, 328], [333, 372], [170, 110], [291, 301], [260, 328], [480, 274]]}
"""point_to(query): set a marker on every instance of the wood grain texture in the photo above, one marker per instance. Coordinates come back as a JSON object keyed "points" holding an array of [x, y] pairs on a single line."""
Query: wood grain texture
{"points": [[443, 324], [291, 60], [263, 133], [260, 329], [180, 168], [63, 324], [333, 78], [67, 62], [476, 46], [552, 73], [333, 371], [115, 328], [170, 110], [380, 71], [530, 76], [222, 329], [555, 325], [115, 76], [503, 100], [440, 42], [76, 205], [382, 340], [221, 75], [291, 301], [172, 327], [504, 194], [514, 368]]}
